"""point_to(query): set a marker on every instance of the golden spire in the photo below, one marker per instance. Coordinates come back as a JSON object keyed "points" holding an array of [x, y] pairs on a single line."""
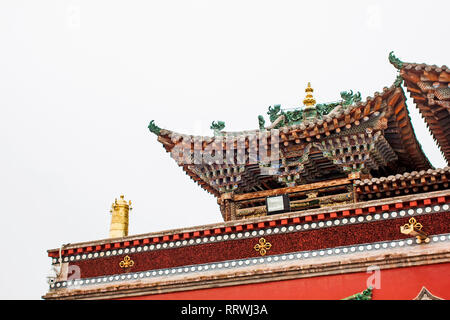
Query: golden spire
{"points": [[119, 218], [309, 100]]}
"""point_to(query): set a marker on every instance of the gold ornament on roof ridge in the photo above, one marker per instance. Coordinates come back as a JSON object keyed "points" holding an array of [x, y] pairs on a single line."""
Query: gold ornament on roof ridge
{"points": [[309, 99]]}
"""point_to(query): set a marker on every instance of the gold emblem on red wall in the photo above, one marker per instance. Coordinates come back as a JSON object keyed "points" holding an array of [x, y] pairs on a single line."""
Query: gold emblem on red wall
{"points": [[262, 246], [126, 262], [414, 228]]}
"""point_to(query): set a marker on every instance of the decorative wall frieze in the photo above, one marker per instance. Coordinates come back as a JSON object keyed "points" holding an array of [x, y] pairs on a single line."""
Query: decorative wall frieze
{"points": [[321, 218], [271, 260]]}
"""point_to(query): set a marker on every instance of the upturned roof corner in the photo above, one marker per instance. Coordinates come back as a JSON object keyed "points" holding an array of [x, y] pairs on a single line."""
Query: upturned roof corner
{"points": [[154, 128], [396, 62]]}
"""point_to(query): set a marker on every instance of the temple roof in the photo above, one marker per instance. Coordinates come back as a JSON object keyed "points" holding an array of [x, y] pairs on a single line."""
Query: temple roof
{"points": [[374, 136], [403, 184], [429, 86]]}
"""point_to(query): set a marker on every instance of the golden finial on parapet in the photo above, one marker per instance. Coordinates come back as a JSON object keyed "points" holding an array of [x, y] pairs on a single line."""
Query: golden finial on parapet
{"points": [[119, 218], [309, 99]]}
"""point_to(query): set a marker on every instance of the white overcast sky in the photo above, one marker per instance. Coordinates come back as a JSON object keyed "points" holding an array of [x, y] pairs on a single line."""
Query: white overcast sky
{"points": [[80, 81]]}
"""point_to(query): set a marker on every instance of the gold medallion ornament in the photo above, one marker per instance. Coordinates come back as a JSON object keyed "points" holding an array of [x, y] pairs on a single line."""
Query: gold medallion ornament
{"points": [[262, 246], [126, 262]]}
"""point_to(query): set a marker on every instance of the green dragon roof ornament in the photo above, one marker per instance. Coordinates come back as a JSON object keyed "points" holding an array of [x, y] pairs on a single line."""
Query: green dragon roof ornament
{"points": [[326, 108], [261, 122], [365, 295], [154, 128], [396, 62], [217, 127], [349, 98], [398, 81], [312, 110], [290, 117]]}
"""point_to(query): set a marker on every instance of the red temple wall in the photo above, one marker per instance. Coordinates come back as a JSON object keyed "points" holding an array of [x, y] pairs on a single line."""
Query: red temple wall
{"points": [[329, 237], [395, 284]]}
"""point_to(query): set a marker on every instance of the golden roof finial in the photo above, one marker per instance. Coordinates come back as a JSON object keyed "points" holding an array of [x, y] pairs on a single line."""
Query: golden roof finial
{"points": [[309, 100], [119, 218]]}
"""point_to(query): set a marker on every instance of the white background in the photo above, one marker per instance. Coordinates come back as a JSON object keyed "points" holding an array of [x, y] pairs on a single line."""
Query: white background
{"points": [[80, 81]]}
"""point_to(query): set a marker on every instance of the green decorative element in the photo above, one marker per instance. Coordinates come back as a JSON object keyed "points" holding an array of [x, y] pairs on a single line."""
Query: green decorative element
{"points": [[398, 81], [154, 128], [349, 98], [309, 112], [294, 116], [365, 295], [396, 62], [262, 122], [325, 108], [274, 113], [290, 117], [217, 127]]}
